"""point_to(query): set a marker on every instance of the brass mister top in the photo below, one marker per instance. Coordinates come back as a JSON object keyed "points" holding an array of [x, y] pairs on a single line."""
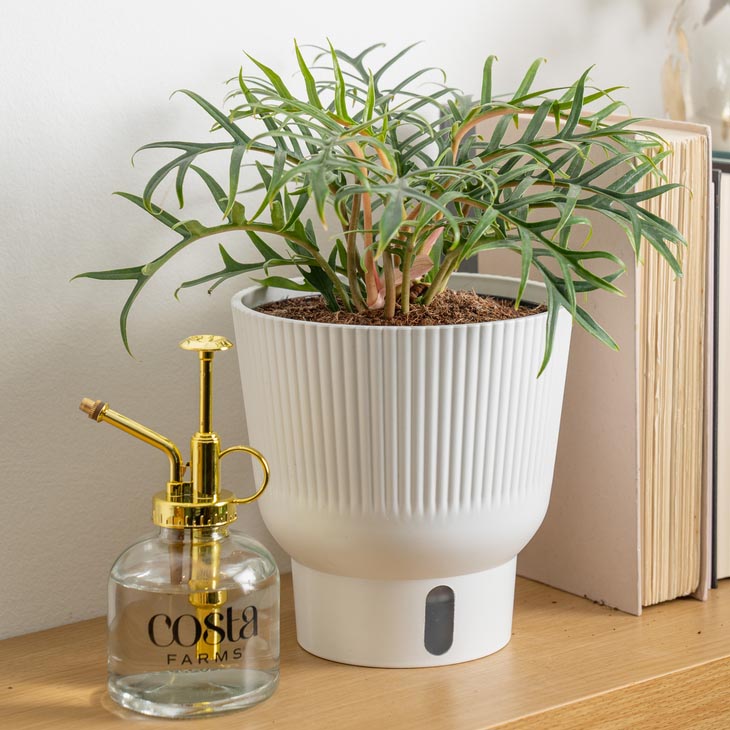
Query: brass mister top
{"points": [[198, 502]]}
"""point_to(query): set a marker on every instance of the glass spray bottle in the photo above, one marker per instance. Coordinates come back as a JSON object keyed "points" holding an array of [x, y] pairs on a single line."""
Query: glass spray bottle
{"points": [[194, 611]]}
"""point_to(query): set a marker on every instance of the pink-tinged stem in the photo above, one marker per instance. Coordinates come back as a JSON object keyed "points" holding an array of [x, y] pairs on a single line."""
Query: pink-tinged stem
{"points": [[372, 280]]}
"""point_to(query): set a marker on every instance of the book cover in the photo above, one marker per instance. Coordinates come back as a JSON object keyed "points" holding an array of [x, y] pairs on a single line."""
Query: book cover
{"points": [[605, 506]]}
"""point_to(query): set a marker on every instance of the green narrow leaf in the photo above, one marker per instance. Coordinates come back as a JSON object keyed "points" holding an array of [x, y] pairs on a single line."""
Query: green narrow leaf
{"points": [[526, 263], [124, 316], [320, 191], [310, 235], [634, 232], [538, 119], [553, 307], [277, 169], [215, 189], [568, 207], [132, 272], [275, 79], [592, 327], [159, 214], [568, 283], [342, 253], [332, 259], [277, 215], [154, 182], [228, 260], [481, 227], [379, 73], [455, 111], [573, 260], [357, 61], [180, 179], [288, 205], [309, 82], [232, 268], [220, 117], [500, 128], [257, 107], [234, 173], [390, 221], [603, 167], [643, 195], [340, 88], [581, 316], [297, 210], [261, 246], [486, 97], [369, 100], [637, 173], [659, 244], [529, 77], [316, 278], [280, 282], [577, 163], [607, 111], [265, 175], [576, 108]]}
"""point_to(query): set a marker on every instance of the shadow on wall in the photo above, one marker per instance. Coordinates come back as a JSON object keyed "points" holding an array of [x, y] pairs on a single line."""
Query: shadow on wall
{"points": [[652, 11]]}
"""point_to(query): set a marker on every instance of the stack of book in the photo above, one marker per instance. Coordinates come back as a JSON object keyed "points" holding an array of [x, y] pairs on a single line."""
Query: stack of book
{"points": [[630, 517], [721, 177]]}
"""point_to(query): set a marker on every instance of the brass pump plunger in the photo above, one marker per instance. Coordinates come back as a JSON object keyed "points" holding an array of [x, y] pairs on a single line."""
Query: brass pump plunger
{"points": [[198, 503]]}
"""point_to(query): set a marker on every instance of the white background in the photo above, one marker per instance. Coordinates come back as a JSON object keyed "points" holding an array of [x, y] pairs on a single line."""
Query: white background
{"points": [[82, 85]]}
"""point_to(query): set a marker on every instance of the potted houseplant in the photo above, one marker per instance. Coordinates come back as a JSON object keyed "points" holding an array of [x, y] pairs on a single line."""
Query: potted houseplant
{"points": [[412, 442]]}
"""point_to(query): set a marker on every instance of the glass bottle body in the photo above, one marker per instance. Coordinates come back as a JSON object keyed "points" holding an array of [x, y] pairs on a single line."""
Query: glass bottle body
{"points": [[193, 623]]}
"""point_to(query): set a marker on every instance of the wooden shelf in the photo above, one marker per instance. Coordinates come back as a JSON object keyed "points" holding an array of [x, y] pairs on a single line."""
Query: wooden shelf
{"points": [[570, 664]]}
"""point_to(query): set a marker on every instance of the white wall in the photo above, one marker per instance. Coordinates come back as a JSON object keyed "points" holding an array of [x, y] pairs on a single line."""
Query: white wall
{"points": [[82, 85]]}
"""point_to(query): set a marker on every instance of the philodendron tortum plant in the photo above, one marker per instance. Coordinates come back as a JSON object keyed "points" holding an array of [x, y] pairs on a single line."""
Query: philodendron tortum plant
{"points": [[408, 183]]}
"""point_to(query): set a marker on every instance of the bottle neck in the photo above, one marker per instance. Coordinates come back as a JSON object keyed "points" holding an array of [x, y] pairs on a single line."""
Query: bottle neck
{"points": [[176, 536]]}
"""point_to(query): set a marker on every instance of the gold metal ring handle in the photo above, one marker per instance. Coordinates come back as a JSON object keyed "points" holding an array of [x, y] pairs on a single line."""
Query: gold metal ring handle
{"points": [[264, 466]]}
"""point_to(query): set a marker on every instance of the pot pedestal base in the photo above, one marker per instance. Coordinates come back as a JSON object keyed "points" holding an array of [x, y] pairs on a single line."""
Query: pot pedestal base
{"points": [[404, 623]]}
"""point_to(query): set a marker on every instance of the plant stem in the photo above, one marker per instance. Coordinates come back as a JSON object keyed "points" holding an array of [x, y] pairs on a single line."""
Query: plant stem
{"points": [[405, 287], [450, 262], [352, 257], [389, 309], [371, 271]]}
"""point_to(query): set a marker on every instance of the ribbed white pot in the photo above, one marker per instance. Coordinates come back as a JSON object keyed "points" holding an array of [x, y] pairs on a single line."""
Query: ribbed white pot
{"points": [[410, 465]]}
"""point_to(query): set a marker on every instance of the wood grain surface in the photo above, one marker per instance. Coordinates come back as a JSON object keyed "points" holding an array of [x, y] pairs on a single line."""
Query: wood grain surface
{"points": [[697, 698], [569, 662]]}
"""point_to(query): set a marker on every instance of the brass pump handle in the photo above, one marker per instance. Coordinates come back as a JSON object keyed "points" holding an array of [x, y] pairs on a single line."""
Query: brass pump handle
{"points": [[206, 346], [264, 466]]}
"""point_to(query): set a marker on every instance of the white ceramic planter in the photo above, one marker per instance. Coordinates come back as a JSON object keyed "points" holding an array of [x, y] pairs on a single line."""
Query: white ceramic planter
{"points": [[410, 465]]}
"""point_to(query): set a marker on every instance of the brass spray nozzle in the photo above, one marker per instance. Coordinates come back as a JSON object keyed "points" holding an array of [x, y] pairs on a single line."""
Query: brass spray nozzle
{"points": [[99, 411], [92, 408]]}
